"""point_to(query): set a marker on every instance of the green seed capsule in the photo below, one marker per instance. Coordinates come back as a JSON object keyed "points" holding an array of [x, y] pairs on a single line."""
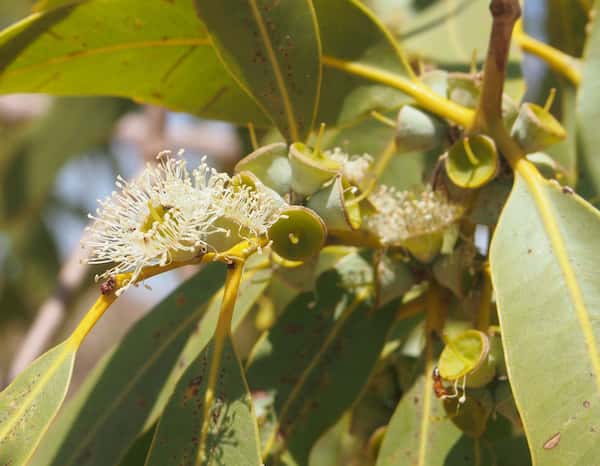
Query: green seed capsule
{"points": [[464, 355], [536, 129], [472, 162], [298, 234]]}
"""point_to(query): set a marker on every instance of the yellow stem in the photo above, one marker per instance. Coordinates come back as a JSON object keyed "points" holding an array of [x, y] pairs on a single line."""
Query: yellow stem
{"points": [[238, 252], [550, 99], [565, 64], [91, 318], [422, 94], [252, 133], [222, 332], [470, 154], [383, 119], [319, 140]]}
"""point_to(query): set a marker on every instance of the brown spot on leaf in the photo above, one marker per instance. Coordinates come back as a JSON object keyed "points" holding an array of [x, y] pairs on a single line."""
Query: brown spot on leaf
{"points": [[552, 441], [586, 404]]}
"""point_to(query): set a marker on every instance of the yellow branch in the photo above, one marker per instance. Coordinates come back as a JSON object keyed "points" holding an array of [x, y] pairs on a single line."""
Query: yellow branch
{"points": [[565, 64], [422, 94], [222, 332]]}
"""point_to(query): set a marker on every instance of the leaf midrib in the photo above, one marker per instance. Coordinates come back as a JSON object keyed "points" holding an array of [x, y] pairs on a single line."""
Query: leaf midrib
{"points": [[360, 298], [287, 104], [534, 184]]}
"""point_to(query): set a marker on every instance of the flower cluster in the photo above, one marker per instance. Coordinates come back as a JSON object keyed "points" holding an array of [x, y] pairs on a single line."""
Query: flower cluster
{"points": [[169, 215], [402, 215], [354, 167]]}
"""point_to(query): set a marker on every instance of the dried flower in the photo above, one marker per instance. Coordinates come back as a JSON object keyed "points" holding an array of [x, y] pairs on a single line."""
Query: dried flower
{"points": [[167, 215], [402, 215], [354, 167]]}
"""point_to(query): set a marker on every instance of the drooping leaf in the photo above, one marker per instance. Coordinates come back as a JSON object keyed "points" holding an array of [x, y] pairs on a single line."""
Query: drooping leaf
{"points": [[549, 237], [30, 403], [272, 49], [345, 97], [232, 433], [151, 51], [128, 390], [315, 361]]}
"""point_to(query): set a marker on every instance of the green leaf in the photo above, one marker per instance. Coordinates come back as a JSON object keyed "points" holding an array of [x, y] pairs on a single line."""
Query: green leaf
{"points": [[30, 403], [152, 51], [345, 97], [136, 455], [313, 364], [548, 237], [588, 115], [418, 433], [232, 435], [128, 390], [272, 49], [448, 31]]}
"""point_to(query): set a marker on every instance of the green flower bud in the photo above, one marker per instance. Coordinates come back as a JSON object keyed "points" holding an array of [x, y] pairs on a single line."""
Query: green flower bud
{"points": [[270, 165], [418, 130]]}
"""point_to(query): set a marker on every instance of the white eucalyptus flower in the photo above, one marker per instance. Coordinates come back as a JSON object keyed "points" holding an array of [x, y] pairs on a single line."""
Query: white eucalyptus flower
{"points": [[167, 215], [402, 215], [354, 167]]}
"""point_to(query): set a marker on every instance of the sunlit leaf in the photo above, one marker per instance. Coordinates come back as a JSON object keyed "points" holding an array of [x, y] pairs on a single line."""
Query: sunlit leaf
{"points": [[548, 237], [30, 403], [588, 115], [272, 49], [152, 51]]}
